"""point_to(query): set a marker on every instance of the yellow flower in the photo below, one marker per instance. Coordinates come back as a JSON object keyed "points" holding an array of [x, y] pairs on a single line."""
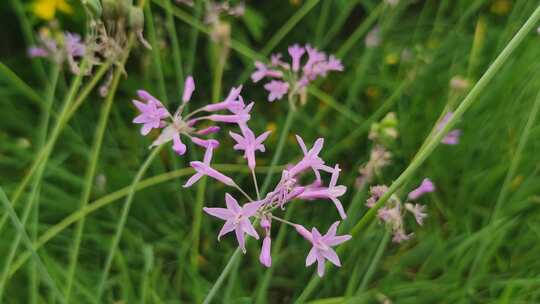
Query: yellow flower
{"points": [[46, 9], [391, 59]]}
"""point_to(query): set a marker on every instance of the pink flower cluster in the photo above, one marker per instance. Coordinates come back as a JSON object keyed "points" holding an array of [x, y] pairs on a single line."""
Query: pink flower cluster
{"points": [[392, 213], [293, 78], [241, 218], [153, 115]]}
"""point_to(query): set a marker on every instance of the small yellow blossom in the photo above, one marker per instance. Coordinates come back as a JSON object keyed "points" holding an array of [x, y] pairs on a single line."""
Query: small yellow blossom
{"points": [[46, 9]]}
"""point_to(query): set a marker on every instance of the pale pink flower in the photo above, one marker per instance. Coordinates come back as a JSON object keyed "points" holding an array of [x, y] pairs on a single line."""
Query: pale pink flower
{"points": [[418, 211], [189, 88], [427, 186], [152, 113], [331, 192], [373, 38], [322, 246], [276, 89], [266, 258], [233, 102], [263, 71], [376, 193], [296, 52], [249, 144], [452, 137], [236, 218]]}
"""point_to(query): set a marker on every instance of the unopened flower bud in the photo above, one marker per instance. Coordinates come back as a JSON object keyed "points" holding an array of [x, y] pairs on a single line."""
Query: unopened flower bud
{"points": [[124, 7], [109, 9], [94, 6], [136, 18]]}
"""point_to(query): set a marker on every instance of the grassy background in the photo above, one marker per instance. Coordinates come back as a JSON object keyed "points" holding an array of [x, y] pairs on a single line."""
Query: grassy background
{"points": [[479, 243]]}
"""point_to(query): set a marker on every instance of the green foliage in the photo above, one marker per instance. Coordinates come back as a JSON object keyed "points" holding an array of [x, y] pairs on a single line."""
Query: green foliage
{"points": [[147, 241]]}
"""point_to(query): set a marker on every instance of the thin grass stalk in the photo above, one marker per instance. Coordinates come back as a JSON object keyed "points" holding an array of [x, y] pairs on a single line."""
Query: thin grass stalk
{"points": [[123, 219], [16, 82], [35, 186], [26, 239], [503, 194], [44, 128], [374, 262], [158, 66], [177, 56], [115, 196], [194, 35], [469, 100], [28, 36], [88, 183], [44, 153]]}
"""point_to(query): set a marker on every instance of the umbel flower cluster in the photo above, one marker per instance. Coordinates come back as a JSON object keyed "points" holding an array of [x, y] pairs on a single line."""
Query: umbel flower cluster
{"points": [[293, 78], [259, 212]]}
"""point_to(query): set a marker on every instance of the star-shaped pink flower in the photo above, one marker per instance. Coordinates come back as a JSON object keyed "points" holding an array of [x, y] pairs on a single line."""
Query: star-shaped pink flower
{"points": [[152, 112], [236, 218], [322, 246], [331, 192], [276, 89], [249, 144]]}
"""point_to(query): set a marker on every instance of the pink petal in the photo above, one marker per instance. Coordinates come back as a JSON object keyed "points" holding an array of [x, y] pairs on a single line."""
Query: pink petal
{"points": [[248, 228], [193, 179], [189, 87], [331, 231], [339, 208], [266, 258], [221, 213], [331, 255], [227, 227], [240, 237], [312, 256], [320, 265], [232, 203], [336, 240]]}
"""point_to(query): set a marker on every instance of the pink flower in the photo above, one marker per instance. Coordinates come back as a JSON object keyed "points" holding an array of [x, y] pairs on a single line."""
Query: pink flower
{"points": [[233, 102], [296, 53], [376, 193], [189, 88], [277, 89], [266, 258], [249, 144], [400, 236], [74, 46], [209, 130], [203, 168], [37, 52], [322, 246], [331, 192], [311, 159], [151, 115], [236, 218], [452, 137], [240, 116], [263, 71], [426, 187], [418, 211]]}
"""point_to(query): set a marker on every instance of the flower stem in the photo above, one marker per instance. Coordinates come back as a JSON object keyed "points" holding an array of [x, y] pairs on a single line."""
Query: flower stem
{"points": [[283, 220], [123, 218], [255, 183], [89, 180], [434, 141]]}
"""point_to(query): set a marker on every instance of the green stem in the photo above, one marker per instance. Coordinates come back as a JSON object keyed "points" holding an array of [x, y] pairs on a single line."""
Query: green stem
{"points": [[503, 195], [374, 261], [222, 276], [26, 239], [89, 180], [28, 36], [123, 219], [177, 58], [33, 198], [469, 100], [158, 67], [17, 83], [115, 196], [65, 113], [279, 150]]}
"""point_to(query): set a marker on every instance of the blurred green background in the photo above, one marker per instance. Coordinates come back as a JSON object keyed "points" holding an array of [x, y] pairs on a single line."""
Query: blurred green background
{"points": [[479, 243]]}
